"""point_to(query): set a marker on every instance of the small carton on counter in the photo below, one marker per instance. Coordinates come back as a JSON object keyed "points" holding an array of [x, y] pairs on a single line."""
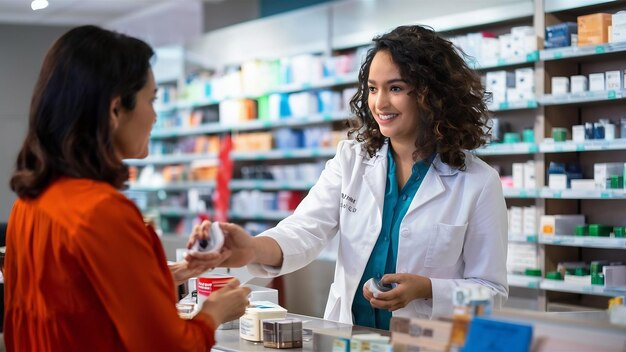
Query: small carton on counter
{"points": [[250, 324]]}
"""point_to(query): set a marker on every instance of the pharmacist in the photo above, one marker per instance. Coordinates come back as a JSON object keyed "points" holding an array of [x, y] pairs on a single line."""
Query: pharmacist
{"points": [[406, 199]]}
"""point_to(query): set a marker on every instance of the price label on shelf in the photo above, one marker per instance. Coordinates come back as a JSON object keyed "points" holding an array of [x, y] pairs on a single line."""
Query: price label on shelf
{"points": [[611, 94], [600, 49], [532, 57]]}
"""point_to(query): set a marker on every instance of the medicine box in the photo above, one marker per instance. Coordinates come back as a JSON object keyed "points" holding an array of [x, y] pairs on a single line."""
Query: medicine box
{"points": [[250, 326], [560, 35], [618, 27], [614, 80], [562, 225], [525, 79], [596, 82], [603, 171], [529, 175], [578, 133], [579, 84], [594, 29], [560, 85], [557, 181]]}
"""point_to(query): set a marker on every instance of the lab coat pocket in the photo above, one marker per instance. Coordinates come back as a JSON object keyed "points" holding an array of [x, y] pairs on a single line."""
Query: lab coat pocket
{"points": [[445, 245]]}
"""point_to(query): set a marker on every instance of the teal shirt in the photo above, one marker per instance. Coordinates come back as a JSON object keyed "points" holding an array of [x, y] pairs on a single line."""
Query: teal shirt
{"points": [[385, 253]]}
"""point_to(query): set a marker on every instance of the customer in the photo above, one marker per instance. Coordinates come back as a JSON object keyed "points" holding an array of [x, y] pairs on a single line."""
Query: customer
{"points": [[406, 198], [82, 271]]}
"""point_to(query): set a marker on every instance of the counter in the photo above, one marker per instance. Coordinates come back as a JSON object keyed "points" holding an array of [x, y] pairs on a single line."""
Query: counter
{"points": [[229, 341], [572, 331]]}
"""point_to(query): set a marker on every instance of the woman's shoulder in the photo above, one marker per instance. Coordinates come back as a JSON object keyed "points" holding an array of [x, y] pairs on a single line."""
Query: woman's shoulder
{"points": [[84, 195], [477, 167], [350, 148]]}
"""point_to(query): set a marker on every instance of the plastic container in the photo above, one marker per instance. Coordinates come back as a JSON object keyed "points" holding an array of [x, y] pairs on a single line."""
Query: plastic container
{"points": [[209, 283]]}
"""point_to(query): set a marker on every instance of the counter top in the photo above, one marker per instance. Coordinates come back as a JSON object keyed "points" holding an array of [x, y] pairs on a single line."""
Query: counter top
{"points": [[229, 341], [574, 331]]}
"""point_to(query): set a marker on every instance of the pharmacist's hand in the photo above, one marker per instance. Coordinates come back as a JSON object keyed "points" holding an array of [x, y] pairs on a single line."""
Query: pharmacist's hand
{"points": [[199, 262], [228, 303], [239, 244], [408, 287]]}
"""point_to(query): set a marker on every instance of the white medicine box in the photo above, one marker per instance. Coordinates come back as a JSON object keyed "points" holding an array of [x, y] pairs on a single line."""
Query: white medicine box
{"points": [[560, 85], [614, 80], [525, 79], [596, 82], [579, 84], [250, 324]]}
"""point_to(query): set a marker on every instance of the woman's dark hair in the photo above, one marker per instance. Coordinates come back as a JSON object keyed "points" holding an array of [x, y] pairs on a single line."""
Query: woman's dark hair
{"points": [[69, 132], [451, 100]]}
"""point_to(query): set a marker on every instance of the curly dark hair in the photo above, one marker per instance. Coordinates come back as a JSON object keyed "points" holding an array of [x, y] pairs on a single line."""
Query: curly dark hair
{"points": [[69, 132], [451, 100]]}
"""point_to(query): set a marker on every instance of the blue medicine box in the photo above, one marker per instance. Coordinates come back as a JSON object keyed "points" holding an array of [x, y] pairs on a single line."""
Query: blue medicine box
{"points": [[498, 336], [560, 35]]}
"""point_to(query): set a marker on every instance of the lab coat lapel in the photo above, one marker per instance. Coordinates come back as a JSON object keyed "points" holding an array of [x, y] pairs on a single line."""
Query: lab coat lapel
{"points": [[376, 176], [431, 186]]}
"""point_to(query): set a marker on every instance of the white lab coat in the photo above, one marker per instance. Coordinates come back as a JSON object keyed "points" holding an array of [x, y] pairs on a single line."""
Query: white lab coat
{"points": [[454, 232]]}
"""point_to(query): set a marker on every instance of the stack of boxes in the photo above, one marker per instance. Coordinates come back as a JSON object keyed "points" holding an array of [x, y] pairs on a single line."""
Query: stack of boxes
{"points": [[511, 87], [488, 50]]}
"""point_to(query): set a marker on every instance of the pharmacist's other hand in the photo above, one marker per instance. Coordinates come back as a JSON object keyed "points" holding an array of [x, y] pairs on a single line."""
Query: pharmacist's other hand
{"points": [[408, 287], [228, 303], [199, 262], [239, 244]]}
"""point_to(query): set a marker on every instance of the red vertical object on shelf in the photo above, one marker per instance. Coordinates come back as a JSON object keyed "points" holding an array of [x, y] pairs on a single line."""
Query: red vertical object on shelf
{"points": [[221, 198]]}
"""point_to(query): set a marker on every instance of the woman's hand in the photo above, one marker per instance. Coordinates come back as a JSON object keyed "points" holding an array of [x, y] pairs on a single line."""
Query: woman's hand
{"points": [[228, 303], [408, 288]]}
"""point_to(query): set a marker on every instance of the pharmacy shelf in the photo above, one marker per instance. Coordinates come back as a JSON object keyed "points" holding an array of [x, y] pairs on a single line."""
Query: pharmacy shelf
{"points": [[523, 281], [552, 147], [583, 194], [564, 5], [174, 186], [521, 193], [270, 215], [582, 97], [172, 159], [502, 63], [328, 82], [508, 149], [177, 212], [513, 105], [587, 146], [584, 241], [165, 108], [547, 193], [271, 185], [214, 128], [518, 237], [581, 51], [560, 286], [285, 154]]}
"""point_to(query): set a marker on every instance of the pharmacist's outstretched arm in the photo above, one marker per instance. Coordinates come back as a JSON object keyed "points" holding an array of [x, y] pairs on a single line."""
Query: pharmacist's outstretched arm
{"points": [[239, 249], [246, 249]]}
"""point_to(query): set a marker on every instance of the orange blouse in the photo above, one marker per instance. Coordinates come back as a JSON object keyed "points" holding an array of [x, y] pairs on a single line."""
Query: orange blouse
{"points": [[83, 273]]}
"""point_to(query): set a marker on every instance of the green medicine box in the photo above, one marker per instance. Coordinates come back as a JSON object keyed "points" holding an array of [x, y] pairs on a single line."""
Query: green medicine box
{"points": [[581, 230], [597, 230], [554, 275]]}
